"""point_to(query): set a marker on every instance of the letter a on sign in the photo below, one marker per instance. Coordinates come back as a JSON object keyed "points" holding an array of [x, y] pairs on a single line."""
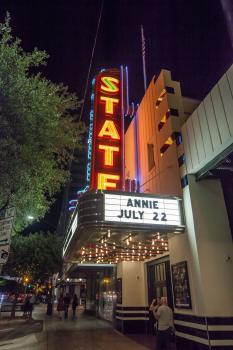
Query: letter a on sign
{"points": [[109, 129]]}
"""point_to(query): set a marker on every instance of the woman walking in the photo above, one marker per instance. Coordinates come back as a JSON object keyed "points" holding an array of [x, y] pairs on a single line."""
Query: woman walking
{"points": [[60, 306], [74, 305]]}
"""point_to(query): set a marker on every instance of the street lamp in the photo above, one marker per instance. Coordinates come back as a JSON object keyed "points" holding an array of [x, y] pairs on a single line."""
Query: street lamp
{"points": [[30, 217]]}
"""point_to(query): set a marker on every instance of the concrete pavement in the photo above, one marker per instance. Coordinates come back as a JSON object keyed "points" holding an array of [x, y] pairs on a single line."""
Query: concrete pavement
{"points": [[52, 333]]}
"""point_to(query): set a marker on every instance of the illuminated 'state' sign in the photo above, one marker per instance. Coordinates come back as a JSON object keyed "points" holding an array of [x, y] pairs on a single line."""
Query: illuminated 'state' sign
{"points": [[107, 151], [142, 210]]}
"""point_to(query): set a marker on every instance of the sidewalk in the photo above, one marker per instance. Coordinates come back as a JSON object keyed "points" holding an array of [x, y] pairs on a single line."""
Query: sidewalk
{"points": [[51, 333]]}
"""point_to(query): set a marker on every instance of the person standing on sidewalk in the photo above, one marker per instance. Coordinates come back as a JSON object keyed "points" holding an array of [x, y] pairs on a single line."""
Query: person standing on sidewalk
{"points": [[66, 305], [152, 320], [165, 322], [60, 305], [74, 304], [32, 301]]}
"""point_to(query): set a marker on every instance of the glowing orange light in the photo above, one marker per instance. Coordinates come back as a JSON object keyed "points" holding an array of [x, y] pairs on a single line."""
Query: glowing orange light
{"points": [[110, 84], [169, 141], [108, 153], [109, 129], [109, 101], [103, 183]]}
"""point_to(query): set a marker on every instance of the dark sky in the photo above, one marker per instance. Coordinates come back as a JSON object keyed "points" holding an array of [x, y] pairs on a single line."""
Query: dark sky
{"points": [[192, 38], [189, 37]]}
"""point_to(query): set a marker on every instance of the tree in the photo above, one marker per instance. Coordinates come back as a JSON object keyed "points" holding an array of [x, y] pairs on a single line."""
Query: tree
{"points": [[38, 130], [37, 256]]}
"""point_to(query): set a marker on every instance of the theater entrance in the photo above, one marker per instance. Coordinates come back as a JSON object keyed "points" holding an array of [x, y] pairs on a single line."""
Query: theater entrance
{"points": [[159, 280]]}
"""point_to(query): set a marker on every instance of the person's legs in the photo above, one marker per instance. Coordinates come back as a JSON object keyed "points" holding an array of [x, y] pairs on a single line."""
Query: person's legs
{"points": [[66, 311], [165, 340], [159, 340], [162, 340]]}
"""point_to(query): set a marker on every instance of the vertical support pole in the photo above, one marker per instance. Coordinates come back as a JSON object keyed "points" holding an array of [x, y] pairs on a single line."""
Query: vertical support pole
{"points": [[143, 57]]}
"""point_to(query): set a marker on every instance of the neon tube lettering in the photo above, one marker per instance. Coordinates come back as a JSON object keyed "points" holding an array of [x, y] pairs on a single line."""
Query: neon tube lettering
{"points": [[103, 183], [108, 153], [109, 84], [109, 101], [109, 129]]}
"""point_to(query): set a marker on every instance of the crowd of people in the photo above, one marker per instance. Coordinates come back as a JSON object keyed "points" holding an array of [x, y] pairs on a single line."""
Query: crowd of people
{"points": [[28, 300], [64, 303], [160, 314]]}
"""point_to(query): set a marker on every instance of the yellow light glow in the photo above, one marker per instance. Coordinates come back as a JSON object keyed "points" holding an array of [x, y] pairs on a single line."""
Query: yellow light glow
{"points": [[110, 84], [109, 101], [108, 153], [109, 129], [169, 141], [103, 183], [164, 118]]}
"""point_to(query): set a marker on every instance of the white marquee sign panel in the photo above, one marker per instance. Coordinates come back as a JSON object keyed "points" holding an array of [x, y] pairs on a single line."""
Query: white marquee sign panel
{"points": [[142, 210]]}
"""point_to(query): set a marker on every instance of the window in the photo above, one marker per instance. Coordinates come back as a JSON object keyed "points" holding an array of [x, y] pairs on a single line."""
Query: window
{"points": [[170, 90], [160, 98], [167, 144], [150, 154], [163, 120], [178, 138], [174, 112], [170, 112], [181, 160], [184, 181]]}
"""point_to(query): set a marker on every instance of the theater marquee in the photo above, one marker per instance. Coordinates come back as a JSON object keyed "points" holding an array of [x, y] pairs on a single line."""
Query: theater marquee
{"points": [[142, 210]]}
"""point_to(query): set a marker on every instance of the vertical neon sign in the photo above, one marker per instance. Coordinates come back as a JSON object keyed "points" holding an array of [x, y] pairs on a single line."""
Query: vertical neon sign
{"points": [[108, 131]]}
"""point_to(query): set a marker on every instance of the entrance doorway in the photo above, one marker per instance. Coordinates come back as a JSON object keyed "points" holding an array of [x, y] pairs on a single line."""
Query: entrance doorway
{"points": [[159, 280]]}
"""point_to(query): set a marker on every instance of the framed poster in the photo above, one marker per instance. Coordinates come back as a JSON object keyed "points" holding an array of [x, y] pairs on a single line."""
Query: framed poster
{"points": [[119, 290], [181, 290]]}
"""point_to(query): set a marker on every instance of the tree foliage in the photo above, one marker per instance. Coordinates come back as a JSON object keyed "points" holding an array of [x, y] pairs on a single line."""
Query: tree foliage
{"points": [[38, 255], [38, 129]]}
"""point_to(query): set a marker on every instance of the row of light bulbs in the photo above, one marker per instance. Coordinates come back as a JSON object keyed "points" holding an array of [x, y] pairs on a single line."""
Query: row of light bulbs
{"points": [[110, 252]]}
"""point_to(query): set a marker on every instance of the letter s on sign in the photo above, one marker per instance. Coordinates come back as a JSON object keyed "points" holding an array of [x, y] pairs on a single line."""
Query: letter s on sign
{"points": [[109, 84]]}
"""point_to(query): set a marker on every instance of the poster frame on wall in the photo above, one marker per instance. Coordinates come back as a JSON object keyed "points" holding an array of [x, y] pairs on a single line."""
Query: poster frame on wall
{"points": [[181, 287]]}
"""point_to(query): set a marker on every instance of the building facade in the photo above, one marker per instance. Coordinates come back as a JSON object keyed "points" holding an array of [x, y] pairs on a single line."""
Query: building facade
{"points": [[170, 146]]}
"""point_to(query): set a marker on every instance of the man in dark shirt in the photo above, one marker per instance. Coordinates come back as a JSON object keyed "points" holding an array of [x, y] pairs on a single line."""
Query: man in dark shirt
{"points": [[66, 305]]}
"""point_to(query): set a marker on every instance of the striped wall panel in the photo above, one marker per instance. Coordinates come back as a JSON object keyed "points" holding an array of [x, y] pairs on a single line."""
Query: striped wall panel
{"points": [[198, 332], [132, 319], [208, 132]]}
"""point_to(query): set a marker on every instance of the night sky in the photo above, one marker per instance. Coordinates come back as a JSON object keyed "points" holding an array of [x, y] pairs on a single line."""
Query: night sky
{"points": [[192, 38]]}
